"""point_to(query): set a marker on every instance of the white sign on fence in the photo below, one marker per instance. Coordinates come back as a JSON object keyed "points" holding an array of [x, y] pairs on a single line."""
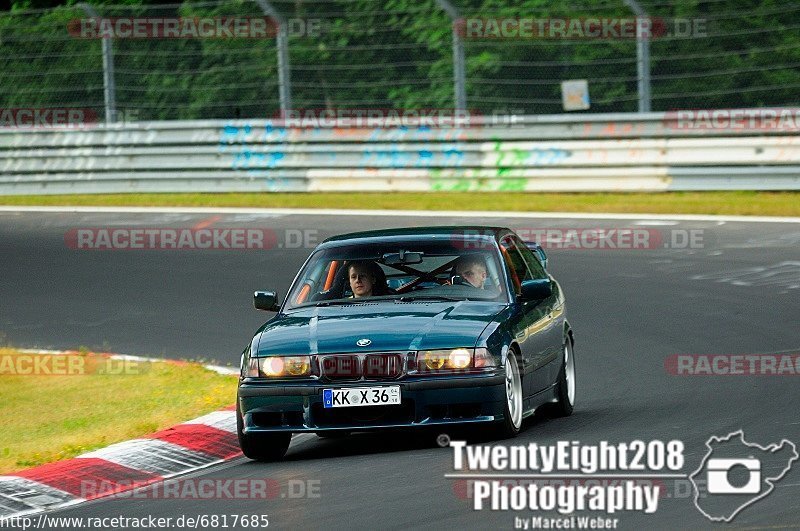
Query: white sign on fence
{"points": [[575, 94]]}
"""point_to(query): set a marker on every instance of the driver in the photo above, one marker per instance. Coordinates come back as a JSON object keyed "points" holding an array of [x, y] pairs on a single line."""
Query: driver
{"points": [[366, 279], [471, 268], [362, 279]]}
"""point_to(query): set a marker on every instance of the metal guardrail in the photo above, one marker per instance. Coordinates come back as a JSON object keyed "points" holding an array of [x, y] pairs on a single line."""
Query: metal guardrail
{"points": [[645, 152]]}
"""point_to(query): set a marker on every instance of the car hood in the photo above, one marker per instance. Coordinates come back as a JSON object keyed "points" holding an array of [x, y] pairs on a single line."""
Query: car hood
{"points": [[390, 326]]}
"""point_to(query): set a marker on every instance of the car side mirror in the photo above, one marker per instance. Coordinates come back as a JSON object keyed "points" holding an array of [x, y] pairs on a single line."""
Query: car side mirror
{"points": [[266, 300], [534, 290], [538, 251]]}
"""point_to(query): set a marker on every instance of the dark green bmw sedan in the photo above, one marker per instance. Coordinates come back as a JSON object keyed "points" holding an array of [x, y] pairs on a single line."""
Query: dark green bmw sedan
{"points": [[408, 328]]}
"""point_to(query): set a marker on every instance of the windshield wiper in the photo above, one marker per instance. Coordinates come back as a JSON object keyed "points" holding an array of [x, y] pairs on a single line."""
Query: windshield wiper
{"points": [[336, 303], [411, 298]]}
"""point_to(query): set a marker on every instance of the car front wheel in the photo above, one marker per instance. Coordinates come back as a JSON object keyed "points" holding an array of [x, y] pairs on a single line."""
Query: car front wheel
{"points": [[566, 382], [511, 424]]}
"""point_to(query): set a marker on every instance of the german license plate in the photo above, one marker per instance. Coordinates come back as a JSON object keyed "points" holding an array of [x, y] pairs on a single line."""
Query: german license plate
{"points": [[361, 396]]}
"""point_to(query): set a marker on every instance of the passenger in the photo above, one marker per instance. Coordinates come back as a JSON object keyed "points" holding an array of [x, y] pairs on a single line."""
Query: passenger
{"points": [[472, 268]]}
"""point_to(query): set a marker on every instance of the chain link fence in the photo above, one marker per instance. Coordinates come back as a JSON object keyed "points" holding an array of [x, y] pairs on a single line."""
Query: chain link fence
{"points": [[346, 54]]}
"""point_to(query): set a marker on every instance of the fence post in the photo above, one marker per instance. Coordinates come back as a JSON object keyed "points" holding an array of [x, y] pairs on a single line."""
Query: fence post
{"points": [[109, 86], [282, 42], [459, 75], [642, 54]]}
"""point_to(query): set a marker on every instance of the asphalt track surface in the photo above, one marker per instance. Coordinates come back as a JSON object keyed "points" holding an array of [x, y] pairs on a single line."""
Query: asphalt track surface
{"points": [[630, 309]]}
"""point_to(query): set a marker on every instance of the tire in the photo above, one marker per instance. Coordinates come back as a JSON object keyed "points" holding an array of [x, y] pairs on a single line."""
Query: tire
{"points": [[261, 446], [566, 389], [511, 424]]}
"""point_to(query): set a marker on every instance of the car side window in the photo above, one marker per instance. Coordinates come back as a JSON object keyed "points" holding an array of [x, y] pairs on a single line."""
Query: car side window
{"points": [[534, 264], [516, 264]]}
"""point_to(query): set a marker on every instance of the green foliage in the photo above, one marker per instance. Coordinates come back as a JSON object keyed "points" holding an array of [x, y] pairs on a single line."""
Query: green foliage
{"points": [[398, 54]]}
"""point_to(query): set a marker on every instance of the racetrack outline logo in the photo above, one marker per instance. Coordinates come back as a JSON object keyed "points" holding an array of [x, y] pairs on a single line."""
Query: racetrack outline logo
{"points": [[753, 466]]}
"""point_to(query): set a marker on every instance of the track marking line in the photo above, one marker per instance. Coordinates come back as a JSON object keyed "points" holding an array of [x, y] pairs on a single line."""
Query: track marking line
{"points": [[397, 213]]}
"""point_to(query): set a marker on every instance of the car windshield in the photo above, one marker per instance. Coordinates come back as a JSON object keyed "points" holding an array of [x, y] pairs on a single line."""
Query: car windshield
{"points": [[399, 269]]}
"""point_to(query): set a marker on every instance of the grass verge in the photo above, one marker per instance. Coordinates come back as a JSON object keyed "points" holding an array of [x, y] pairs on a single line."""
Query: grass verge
{"points": [[730, 203], [89, 401]]}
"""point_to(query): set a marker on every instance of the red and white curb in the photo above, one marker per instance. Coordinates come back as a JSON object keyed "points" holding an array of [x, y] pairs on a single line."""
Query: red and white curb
{"points": [[187, 447], [199, 443]]}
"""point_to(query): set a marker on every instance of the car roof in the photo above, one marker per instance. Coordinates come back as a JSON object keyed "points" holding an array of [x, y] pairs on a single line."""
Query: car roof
{"points": [[418, 232]]}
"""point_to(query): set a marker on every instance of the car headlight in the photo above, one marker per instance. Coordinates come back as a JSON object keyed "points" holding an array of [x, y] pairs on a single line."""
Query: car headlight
{"points": [[279, 366], [455, 359]]}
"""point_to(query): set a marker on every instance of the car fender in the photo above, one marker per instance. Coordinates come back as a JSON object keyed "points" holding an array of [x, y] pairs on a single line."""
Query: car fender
{"points": [[498, 340], [569, 333]]}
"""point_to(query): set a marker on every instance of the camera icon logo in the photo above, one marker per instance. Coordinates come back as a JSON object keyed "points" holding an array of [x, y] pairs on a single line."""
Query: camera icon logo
{"points": [[719, 481], [735, 474]]}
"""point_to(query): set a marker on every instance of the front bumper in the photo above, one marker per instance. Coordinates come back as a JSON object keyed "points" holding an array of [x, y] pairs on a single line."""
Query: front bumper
{"points": [[298, 407]]}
